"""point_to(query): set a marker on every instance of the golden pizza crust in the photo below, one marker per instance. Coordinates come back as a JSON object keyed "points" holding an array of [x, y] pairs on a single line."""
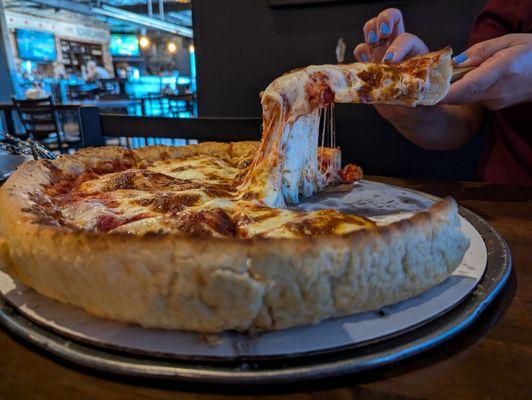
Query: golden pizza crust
{"points": [[207, 284]]}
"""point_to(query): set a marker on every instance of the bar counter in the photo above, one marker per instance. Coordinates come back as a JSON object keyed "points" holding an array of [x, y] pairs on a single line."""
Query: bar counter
{"points": [[490, 360]]}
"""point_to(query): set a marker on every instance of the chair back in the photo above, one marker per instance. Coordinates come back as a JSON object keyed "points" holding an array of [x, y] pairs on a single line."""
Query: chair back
{"points": [[155, 104], [181, 103], [38, 117], [96, 127]]}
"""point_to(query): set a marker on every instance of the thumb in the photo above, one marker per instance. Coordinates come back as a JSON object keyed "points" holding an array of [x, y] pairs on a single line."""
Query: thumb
{"points": [[481, 51]]}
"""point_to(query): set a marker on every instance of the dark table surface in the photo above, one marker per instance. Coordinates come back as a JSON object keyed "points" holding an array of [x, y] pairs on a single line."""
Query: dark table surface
{"points": [[490, 360]]}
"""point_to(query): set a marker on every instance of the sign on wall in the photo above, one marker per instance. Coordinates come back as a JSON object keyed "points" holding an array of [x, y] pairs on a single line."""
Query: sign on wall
{"points": [[59, 28]]}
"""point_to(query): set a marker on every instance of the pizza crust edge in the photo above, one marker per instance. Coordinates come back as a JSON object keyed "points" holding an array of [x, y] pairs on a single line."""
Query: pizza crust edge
{"points": [[210, 285]]}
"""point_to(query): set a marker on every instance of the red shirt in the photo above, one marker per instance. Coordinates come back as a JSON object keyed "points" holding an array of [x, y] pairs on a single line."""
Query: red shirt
{"points": [[507, 157]]}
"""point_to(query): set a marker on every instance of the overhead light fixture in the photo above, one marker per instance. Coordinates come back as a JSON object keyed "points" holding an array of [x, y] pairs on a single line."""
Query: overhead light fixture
{"points": [[171, 47], [144, 42], [117, 13]]}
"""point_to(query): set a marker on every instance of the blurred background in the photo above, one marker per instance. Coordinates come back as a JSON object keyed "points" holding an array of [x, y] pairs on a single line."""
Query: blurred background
{"points": [[210, 58]]}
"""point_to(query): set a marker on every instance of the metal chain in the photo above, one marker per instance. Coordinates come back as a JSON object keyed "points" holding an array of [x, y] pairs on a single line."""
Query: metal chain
{"points": [[30, 147]]}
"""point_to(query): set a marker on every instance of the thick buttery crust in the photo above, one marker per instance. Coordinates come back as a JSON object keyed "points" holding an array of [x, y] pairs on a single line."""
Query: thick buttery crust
{"points": [[216, 284]]}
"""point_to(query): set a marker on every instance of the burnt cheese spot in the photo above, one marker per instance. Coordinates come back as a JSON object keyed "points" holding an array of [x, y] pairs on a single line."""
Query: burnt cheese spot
{"points": [[372, 78], [308, 227], [325, 222], [204, 223], [252, 216], [169, 202], [104, 223], [250, 195], [418, 67], [318, 93], [140, 180], [387, 78], [180, 168]]}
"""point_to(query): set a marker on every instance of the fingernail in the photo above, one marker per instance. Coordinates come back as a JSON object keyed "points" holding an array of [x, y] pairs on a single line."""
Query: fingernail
{"points": [[364, 57], [384, 29], [388, 57], [372, 37], [460, 58]]}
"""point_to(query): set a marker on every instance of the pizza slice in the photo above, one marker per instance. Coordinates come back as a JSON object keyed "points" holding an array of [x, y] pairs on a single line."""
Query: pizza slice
{"points": [[286, 167]]}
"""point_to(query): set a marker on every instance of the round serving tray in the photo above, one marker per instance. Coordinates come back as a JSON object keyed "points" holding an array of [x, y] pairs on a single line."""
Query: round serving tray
{"points": [[248, 370]]}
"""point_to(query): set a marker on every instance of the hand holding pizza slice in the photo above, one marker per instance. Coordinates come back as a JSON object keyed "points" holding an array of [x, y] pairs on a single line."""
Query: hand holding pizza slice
{"points": [[442, 127]]}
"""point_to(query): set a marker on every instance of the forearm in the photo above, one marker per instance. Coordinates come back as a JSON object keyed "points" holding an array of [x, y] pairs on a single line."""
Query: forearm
{"points": [[443, 127]]}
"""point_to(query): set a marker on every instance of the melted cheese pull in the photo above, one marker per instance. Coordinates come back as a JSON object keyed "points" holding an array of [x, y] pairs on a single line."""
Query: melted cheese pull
{"points": [[285, 169]]}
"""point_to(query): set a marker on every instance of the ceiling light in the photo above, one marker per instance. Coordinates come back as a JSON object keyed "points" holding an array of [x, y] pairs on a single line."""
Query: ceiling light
{"points": [[144, 42], [171, 47]]}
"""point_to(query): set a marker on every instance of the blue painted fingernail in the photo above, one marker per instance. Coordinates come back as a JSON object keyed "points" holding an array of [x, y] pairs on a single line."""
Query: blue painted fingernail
{"points": [[384, 29], [460, 58], [388, 57], [364, 57], [372, 37]]}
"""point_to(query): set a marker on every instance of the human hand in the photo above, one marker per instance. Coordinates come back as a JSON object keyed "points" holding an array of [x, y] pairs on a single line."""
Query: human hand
{"points": [[503, 76], [442, 127], [386, 39]]}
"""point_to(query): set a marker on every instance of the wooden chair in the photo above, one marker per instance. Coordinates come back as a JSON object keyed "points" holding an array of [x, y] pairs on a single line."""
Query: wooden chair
{"points": [[96, 127], [39, 119]]}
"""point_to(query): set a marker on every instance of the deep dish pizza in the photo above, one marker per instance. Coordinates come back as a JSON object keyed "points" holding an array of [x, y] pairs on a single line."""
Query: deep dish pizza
{"points": [[200, 237]]}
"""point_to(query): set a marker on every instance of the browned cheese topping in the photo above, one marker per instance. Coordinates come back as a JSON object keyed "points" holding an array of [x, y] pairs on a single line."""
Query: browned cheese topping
{"points": [[194, 195]]}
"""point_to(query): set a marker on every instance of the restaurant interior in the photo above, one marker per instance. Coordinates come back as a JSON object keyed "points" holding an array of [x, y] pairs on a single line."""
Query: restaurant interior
{"points": [[127, 57], [78, 74], [147, 58]]}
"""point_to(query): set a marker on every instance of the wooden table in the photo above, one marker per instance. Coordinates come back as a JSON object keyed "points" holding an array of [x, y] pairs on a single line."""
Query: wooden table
{"points": [[491, 360]]}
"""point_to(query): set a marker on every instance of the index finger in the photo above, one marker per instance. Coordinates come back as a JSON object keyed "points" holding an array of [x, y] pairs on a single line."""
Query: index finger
{"points": [[390, 24]]}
